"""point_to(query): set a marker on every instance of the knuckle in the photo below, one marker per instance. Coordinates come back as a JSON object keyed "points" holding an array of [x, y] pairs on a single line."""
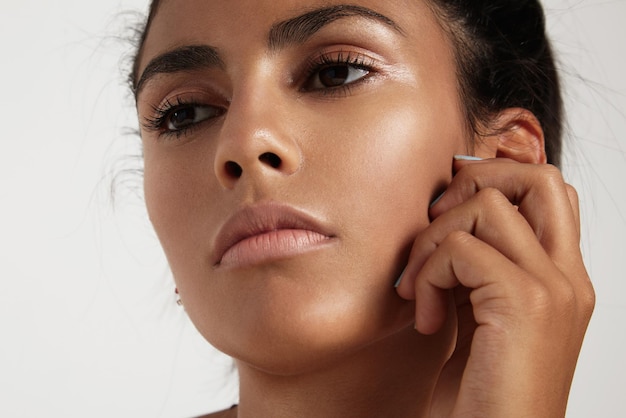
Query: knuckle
{"points": [[571, 191], [538, 299], [566, 299], [551, 171], [544, 298], [491, 197], [470, 174], [572, 195], [587, 300], [551, 175], [458, 239]]}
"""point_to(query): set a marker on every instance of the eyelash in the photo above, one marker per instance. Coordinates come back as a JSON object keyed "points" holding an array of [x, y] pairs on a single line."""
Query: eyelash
{"points": [[162, 113], [326, 60]]}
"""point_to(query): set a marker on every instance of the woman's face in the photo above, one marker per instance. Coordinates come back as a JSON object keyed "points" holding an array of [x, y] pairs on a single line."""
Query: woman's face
{"points": [[290, 159]]}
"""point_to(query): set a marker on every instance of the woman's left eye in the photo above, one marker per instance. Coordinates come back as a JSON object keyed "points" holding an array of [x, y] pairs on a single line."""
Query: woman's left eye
{"points": [[336, 75]]}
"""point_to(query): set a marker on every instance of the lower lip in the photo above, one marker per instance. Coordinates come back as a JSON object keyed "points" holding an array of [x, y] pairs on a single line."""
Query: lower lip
{"points": [[272, 246]]}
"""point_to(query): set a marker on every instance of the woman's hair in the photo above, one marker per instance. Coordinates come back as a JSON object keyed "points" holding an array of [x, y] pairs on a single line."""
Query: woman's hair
{"points": [[503, 59]]}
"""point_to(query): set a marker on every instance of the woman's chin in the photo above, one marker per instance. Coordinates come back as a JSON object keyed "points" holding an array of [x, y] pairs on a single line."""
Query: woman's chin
{"points": [[294, 338]]}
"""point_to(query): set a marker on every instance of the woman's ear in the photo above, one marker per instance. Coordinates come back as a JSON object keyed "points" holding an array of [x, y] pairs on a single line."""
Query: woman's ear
{"points": [[516, 134]]}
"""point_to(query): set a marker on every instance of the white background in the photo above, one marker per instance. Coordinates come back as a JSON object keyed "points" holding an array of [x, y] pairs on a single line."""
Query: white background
{"points": [[88, 320]]}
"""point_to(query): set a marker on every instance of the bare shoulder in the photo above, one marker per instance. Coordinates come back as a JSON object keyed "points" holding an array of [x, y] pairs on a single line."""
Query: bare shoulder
{"points": [[227, 413]]}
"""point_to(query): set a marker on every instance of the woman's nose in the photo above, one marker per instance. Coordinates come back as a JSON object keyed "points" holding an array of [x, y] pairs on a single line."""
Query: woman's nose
{"points": [[256, 140]]}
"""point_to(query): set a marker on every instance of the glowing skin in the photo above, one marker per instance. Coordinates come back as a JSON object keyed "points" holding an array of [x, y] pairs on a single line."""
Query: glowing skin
{"points": [[292, 195], [365, 162]]}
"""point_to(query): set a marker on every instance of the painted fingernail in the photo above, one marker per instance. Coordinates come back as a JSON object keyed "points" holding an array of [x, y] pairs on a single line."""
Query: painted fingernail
{"points": [[397, 283], [467, 158], [437, 199]]}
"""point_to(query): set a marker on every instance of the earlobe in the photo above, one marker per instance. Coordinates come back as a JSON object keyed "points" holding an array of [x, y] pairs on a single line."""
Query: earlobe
{"points": [[516, 134]]}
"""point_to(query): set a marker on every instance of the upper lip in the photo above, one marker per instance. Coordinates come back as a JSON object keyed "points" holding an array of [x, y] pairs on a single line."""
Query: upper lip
{"points": [[262, 218]]}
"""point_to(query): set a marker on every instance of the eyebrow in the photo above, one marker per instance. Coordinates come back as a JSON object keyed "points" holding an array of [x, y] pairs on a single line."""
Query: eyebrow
{"points": [[301, 28], [186, 58], [282, 34]]}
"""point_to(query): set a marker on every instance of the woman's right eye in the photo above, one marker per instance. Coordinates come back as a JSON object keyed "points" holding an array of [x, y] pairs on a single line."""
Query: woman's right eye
{"points": [[179, 117], [182, 117]]}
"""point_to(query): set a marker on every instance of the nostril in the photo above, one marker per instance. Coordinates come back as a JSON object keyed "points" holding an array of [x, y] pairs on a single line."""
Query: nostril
{"points": [[233, 169], [271, 159]]}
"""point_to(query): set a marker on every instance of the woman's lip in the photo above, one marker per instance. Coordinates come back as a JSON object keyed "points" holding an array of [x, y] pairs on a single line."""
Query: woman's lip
{"points": [[268, 232], [273, 245]]}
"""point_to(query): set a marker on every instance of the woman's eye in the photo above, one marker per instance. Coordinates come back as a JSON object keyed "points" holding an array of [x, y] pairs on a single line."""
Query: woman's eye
{"points": [[336, 76], [184, 116]]}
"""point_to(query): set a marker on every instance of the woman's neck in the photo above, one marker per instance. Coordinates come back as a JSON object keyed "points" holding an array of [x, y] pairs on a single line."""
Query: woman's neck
{"points": [[393, 377]]}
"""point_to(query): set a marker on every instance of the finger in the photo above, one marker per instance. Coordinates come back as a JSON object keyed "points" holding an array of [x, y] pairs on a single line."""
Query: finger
{"points": [[462, 259], [572, 194], [452, 373], [490, 217], [538, 190]]}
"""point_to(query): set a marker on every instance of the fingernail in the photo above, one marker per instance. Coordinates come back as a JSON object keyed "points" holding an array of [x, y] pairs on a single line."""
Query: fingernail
{"points": [[467, 158], [437, 199], [397, 283]]}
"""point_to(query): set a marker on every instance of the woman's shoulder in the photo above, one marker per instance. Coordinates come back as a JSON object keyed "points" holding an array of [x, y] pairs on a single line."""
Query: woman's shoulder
{"points": [[227, 413]]}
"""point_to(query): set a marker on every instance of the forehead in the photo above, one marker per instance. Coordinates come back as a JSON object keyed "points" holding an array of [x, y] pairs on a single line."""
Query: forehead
{"points": [[256, 11], [249, 22]]}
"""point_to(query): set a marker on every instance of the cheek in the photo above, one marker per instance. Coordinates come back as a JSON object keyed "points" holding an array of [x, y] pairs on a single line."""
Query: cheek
{"points": [[177, 188], [390, 156], [163, 192], [372, 169], [383, 163]]}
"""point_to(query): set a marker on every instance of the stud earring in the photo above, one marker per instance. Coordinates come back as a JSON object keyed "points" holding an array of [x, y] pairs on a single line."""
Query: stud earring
{"points": [[178, 301]]}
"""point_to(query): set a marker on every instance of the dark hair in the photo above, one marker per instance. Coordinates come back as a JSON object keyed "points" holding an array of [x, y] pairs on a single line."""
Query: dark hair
{"points": [[141, 35], [504, 60]]}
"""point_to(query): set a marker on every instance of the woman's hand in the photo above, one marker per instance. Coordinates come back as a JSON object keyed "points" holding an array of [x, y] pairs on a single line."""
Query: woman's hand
{"points": [[504, 241]]}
